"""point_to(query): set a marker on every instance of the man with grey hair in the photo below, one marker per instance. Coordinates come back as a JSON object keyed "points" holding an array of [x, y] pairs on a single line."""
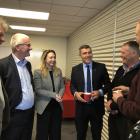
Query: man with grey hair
{"points": [[17, 78], [129, 107], [122, 80], [3, 98]]}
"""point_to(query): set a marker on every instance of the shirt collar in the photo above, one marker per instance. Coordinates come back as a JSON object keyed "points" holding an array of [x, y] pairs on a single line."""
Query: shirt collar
{"points": [[125, 67], [19, 62], [85, 65]]}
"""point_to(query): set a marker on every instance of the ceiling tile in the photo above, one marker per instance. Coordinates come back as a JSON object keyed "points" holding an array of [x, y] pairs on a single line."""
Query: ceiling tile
{"points": [[42, 1], [66, 10], [65, 15], [87, 12], [36, 6], [79, 3], [98, 4], [67, 18], [9, 4], [65, 24]]}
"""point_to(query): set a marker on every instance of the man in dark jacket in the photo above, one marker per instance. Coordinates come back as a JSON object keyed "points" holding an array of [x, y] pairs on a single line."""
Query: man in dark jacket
{"points": [[122, 81], [16, 74], [130, 107]]}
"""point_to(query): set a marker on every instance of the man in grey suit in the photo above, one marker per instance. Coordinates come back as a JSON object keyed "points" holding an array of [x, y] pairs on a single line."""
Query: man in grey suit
{"points": [[3, 104], [16, 74]]}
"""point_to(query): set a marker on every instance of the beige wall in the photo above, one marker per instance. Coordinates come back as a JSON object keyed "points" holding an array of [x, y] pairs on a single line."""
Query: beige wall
{"points": [[40, 43], [105, 33]]}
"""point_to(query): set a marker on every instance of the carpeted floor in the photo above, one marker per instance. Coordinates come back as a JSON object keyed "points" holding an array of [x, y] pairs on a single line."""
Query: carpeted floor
{"points": [[68, 130]]}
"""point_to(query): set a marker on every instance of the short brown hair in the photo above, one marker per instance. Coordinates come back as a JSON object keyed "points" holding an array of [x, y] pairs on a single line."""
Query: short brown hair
{"points": [[133, 45], [84, 47]]}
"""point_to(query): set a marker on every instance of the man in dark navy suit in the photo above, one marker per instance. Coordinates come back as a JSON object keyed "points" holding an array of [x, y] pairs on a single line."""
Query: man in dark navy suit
{"points": [[89, 109]]}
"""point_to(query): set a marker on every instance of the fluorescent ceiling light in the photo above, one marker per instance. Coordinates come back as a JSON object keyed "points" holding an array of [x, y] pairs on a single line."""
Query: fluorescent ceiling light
{"points": [[24, 14], [28, 28]]}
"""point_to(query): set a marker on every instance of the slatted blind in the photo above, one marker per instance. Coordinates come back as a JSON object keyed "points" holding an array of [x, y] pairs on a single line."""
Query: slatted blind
{"points": [[105, 33]]}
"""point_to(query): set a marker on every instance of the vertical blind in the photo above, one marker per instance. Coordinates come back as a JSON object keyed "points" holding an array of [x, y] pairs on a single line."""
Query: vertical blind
{"points": [[105, 33]]}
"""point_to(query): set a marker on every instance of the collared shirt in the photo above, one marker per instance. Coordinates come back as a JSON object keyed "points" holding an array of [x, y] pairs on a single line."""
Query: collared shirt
{"points": [[27, 89], [126, 69], [85, 78], [85, 75]]}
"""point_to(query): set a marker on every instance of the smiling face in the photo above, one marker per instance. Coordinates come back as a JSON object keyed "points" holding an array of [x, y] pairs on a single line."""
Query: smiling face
{"points": [[24, 48], [50, 59], [127, 55], [86, 55]]}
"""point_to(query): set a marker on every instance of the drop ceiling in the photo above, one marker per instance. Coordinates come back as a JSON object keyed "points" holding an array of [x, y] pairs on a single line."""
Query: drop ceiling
{"points": [[66, 16]]}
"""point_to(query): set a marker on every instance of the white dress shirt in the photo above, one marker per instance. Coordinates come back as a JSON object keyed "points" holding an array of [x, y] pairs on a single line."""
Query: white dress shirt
{"points": [[27, 89]]}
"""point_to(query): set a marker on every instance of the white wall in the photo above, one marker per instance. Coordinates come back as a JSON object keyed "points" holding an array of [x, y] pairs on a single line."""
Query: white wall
{"points": [[40, 43]]}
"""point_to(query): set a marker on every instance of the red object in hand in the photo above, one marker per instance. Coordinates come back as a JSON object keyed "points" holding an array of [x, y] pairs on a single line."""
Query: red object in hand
{"points": [[87, 96]]}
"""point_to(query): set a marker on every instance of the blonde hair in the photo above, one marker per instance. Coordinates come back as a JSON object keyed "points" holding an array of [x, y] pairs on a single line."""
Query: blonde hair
{"points": [[44, 69], [3, 24]]}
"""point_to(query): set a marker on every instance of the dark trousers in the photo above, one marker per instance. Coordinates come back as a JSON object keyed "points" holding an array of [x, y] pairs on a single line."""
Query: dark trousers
{"points": [[118, 127], [49, 123], [86, 113], [20, 126]]}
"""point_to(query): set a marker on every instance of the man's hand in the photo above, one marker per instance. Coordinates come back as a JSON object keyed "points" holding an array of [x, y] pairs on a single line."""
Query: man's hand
{"points": [[107, 105], [123, 88], [116, 96], [77, 96], [95, 94]]}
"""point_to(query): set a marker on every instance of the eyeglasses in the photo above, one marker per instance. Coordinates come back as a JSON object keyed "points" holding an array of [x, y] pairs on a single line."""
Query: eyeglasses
{"points": [[24, 44]]}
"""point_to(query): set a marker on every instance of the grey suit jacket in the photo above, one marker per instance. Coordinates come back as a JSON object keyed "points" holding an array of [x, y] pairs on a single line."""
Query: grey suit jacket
{"points": [[44, 89]]}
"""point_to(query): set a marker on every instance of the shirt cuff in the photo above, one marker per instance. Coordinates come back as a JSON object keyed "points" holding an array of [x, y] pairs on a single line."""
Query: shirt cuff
{"points": [[101, 92], [75, 93]]}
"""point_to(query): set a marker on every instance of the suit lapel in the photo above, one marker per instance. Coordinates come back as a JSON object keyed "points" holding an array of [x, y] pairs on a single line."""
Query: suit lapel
{"points": [[81, 75], [14, 69], [49, 81], [94, 72]]}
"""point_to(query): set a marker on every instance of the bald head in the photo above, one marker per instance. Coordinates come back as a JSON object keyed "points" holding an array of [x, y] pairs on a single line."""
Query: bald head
{"points": [[138, 31]]}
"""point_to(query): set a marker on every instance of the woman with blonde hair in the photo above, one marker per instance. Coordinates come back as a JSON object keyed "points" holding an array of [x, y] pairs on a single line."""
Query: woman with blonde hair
{"points": [[49, 88]]}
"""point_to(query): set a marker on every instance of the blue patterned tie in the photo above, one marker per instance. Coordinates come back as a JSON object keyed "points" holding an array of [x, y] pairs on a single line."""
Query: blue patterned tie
{"points": [[88, 79]]}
